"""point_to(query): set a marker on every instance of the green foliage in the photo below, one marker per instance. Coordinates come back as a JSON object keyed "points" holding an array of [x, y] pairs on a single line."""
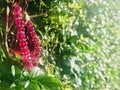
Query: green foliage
{"points": [[48, 81], [13, 78], [80, 47]]}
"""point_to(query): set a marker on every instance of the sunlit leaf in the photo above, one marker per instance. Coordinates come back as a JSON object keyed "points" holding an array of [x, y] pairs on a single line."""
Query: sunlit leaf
{"points": [[48, 81], [33, 86]]}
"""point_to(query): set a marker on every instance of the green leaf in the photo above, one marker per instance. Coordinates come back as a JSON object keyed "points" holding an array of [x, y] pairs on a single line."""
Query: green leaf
{"points": [[18, 86], [16, 72], [48, 81], [13, 70], [4, 85], [27, 83], [73, 39], [5, 70], [33, 86], [35, 72]]}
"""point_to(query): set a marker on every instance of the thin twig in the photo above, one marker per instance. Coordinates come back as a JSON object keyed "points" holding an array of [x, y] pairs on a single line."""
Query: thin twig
{"points": [[38, 15], [10, 26], [7, 30]]}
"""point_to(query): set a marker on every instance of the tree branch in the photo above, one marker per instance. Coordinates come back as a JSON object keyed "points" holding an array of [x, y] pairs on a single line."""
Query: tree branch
{"points": [[6, 31], [38, 15]]}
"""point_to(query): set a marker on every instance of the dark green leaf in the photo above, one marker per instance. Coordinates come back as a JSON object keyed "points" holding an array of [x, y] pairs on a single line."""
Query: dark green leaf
{"points": [[18, 86], [33, 86], [4, 85], [48, 81]]}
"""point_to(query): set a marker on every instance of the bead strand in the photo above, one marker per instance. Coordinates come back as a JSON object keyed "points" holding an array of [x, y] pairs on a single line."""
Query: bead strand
{"points": [[36, 51], [21, 37]]}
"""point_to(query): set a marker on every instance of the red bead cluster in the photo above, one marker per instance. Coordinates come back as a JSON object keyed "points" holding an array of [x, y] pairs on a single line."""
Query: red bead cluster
{"points": [[33, 38], [27, 38]]}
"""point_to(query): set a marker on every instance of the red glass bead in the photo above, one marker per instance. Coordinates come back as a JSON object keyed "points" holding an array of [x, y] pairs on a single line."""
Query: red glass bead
{"points": [[29, 23], [20, 25], [17, 13], [16, 10], [36, 44], [19, 21], [20, 36], [22, 43], [25, 52], [33, 33], [24, 48], [34, 39], [30, 28], [20, 29], [36, 55], [17, 17], [37, 49], [26, 58]]}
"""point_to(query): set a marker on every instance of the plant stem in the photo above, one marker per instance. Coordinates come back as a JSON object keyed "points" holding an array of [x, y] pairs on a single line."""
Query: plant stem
{"points": [[6, 31], [38, 15]]}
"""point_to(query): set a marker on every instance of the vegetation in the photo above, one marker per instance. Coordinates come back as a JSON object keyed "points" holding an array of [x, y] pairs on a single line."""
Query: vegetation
{"points": [[80, 46]]}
